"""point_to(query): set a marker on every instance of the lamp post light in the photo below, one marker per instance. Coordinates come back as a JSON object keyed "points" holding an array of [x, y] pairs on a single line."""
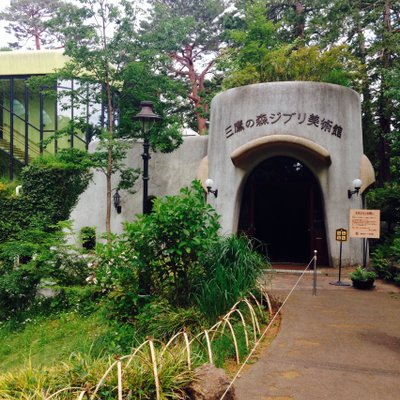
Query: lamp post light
{"points": [[147, 117]]}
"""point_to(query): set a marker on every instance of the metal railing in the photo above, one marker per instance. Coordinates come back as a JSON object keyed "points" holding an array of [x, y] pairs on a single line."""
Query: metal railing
{"points": [[313, 262], [25, 143]]}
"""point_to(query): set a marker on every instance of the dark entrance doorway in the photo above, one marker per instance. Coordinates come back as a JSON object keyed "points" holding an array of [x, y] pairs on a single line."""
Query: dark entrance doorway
{"points": [[282, 208]]}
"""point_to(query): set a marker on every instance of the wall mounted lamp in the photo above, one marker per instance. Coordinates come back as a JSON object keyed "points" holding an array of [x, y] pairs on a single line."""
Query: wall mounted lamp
{"points": [[357, 186], [117, 202], [209, 185]]}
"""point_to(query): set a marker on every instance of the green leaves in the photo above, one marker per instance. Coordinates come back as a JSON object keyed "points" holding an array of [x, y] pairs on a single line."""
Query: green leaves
{"points": [[163, 249], [263, 58], [231, 267]]}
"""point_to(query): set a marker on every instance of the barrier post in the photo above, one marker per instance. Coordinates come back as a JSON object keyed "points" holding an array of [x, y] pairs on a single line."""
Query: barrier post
{"points": [[315, 274]]}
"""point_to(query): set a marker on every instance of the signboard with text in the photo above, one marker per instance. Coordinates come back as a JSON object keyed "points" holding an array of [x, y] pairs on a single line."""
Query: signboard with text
{"points": [[341, 235], [365, 224]]}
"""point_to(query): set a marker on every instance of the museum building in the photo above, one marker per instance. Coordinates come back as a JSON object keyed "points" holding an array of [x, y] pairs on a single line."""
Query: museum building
{"points": [[282, 156]]}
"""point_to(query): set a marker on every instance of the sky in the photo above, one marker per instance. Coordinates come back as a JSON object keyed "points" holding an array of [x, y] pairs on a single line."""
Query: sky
{"points": [[4, 37]]}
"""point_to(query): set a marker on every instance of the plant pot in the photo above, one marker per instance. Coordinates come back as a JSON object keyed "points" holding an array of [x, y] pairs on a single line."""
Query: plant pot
{"points": [[364, 285]]}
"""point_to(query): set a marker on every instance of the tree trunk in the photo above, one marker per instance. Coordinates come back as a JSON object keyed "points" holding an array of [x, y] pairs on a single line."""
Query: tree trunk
{"points": [[384, 103], [37, 41], [368, 125], [197, 85], [110, 127], [300, 19]]}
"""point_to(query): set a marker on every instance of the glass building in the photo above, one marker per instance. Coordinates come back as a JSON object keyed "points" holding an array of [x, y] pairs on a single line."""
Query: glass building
{"points": [[29, 117]]}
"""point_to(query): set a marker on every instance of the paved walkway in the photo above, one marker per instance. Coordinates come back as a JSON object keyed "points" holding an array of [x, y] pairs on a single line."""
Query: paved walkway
{"points": [[342, 344]]}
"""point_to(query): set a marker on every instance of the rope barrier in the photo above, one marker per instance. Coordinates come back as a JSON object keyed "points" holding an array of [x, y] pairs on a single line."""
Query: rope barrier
{"points": [[268, 327]]}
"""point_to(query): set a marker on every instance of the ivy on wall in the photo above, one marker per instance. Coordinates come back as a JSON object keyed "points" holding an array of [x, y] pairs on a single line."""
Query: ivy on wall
{"points": [[50, 189], [30, 225]]}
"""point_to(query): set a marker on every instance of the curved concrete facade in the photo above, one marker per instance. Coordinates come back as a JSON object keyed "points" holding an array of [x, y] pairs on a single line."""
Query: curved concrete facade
{"points": [[318, 124]]}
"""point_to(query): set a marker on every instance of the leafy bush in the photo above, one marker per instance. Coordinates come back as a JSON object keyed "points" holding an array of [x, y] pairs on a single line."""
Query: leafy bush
{"points": [[31, 240], [169, 243], [160, 320], [88, 237], [50, 188], [116, 267], [387, 199], [18, 285], [81, 299], [231, 268], [386, 257], [361, 274]]}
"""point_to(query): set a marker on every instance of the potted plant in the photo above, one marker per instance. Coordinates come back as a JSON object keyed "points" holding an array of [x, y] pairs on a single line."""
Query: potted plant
{"points": [[363, 279], [88, 237]]}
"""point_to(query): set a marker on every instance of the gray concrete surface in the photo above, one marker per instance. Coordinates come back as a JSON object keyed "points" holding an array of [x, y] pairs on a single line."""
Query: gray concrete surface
{"points": [[252, 123], [343, 344]]}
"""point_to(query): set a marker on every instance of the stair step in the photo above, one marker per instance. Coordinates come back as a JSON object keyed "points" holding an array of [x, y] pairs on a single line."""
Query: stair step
{"points": [[18, 153]]}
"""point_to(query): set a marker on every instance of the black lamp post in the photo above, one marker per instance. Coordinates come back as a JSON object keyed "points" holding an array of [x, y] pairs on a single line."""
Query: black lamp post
{"points": [[147, 117]]}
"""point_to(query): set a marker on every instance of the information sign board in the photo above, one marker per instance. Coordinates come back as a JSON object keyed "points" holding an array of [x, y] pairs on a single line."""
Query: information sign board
{"points": [[341, 235], [365, 224]]}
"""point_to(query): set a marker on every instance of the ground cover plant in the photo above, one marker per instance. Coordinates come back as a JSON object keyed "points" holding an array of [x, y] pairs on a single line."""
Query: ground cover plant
{"points": [[85, 372]]}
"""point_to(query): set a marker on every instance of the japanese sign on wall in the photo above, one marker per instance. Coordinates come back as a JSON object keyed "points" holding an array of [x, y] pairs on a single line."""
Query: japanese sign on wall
{"points": [[316, 121], [365, 223]]}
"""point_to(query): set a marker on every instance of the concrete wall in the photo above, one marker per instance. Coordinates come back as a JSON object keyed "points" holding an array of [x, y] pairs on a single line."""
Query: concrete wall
{"points": [[325, 116], [318, 124], [167, 172]]}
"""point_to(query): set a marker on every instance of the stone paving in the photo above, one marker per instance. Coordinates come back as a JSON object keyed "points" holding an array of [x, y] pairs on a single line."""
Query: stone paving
{"points": [[342, 344]]}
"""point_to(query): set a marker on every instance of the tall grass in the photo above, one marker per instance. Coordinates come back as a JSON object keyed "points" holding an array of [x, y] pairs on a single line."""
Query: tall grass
{"points": [[83, 371], [232, 267]]}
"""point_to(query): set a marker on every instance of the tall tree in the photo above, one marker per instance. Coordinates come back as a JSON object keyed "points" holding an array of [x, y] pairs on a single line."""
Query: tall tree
{"points": [[99, 41], [387, 49], [94, 33], [372, 29], [186, 35], [27, 20], [261, 55]]}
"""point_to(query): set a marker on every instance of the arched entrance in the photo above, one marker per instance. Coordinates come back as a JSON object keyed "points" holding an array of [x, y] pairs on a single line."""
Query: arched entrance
{"points": [[282, 207]]}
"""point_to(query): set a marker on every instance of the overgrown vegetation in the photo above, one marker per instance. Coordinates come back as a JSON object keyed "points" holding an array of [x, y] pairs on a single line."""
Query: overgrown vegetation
{"points": [[168, 271], [32, 243]]}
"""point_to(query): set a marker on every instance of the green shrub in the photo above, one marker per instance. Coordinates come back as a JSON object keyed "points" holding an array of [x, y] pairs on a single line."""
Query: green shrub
{"points": [[386, 257], [381, 263], [386, 199], [50, 188], [18, 286], [179, 230], [81, 299], [161, 321], [158, 254], [116, 274], [87, 236], [231, 268], [361, 274]]}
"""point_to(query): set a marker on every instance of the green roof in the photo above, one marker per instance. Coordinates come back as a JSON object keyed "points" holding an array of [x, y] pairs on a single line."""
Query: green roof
{"points": [[31, 62]]}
